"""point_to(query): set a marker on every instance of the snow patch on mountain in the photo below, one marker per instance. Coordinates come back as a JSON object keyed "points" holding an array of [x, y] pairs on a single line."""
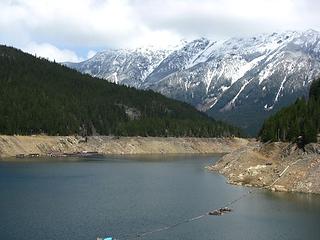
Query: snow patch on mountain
{"points": [[264, 71]]}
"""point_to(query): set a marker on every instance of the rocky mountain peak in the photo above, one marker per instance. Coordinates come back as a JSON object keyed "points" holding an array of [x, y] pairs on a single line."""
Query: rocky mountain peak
{"points": [[233, 80]]}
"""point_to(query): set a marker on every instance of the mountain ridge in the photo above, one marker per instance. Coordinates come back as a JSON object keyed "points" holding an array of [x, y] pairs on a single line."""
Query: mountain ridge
{"points": [[223, 78]]}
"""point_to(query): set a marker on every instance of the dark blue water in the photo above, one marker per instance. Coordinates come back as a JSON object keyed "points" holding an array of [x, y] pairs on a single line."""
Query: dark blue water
{"points": [[118, 195]]}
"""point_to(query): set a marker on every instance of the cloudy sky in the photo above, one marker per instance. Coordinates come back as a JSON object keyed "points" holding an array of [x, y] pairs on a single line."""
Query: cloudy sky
{"points": [[73, 30]]}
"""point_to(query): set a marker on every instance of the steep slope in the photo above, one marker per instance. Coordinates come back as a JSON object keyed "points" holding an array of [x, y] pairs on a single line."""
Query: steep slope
{"points": [[123, 66], [241, 80], [300, 119], [176, 61], [282, 74], [38, 96]]}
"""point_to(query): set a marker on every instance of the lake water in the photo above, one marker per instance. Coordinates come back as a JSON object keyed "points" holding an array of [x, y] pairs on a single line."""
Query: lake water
{"points": [[116, 196]]}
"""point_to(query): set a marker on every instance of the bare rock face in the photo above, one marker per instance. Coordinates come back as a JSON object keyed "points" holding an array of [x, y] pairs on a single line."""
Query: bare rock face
{"points": [[312, 148], [275, 166], [242, 80], [11, 146]]}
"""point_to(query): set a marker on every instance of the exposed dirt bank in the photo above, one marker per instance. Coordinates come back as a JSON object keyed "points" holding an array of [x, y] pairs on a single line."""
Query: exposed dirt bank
{"points": [[11, 146], [275, 166]]}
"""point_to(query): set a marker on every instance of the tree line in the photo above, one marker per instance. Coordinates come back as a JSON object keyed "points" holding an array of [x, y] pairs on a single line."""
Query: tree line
{"points": [[300, 119], [38, 96]]}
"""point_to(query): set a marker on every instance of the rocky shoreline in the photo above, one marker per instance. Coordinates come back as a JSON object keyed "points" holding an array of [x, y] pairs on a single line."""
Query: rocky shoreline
{"points": [[275, 166], [59, 146]]}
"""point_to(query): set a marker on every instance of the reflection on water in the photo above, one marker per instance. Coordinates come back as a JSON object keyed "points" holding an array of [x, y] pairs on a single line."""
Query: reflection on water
{"points": [[86, 198], [306, 199]]}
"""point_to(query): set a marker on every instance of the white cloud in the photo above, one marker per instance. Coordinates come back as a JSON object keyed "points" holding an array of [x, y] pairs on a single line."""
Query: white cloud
{"points": [[52, 53], [89, 23], [91, 53], [161, 38], [97, 24], [225, 18]]}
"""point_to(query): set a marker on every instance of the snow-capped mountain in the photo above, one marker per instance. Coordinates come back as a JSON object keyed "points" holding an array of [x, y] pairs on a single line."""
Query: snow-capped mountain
{"points": [[241, 80], [123, 66]]}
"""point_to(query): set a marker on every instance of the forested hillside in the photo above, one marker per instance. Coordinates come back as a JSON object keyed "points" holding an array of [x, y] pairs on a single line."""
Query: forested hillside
{"points": [[300, 119], [241, 80], [39, 96]]}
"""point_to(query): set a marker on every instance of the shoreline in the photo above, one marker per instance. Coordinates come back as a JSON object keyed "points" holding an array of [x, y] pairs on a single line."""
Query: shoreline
{"points": [[64, 146], [274, 166]]}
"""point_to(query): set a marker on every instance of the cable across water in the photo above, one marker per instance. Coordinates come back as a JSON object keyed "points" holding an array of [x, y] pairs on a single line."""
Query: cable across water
{"points": [[143, 234], [168, 227]]}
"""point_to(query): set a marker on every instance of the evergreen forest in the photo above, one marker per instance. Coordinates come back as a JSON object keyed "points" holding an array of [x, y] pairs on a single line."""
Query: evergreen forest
{"points": [[38, 96], [300, 119]]}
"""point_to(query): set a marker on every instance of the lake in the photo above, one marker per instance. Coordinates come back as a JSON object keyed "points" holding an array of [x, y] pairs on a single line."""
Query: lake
{"points": [[120, 196]]}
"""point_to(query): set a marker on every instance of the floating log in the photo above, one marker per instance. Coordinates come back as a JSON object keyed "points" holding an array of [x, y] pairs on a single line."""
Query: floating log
{"points": [[220, 211]]}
